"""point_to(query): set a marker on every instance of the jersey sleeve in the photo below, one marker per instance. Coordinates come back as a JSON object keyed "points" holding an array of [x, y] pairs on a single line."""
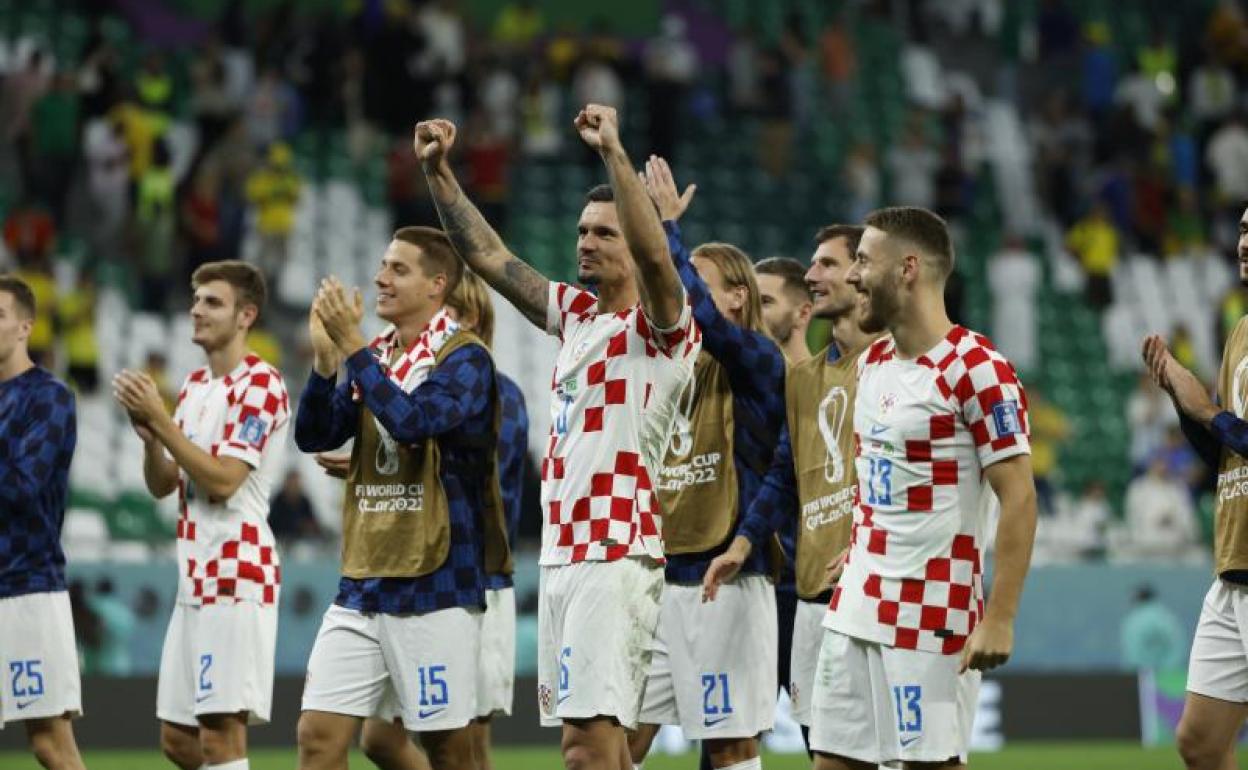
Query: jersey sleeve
{"points": [[565, 304], [993, 406], [258, 407], [682, 340]]}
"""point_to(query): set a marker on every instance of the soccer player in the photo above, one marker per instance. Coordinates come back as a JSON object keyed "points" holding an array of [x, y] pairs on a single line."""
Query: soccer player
{"points": [[718, 685], [421, 516], [626, 353], [811, 479], [222, 451], [38, 431], [1217, 678], [787, 304], [386, 743], [938, 413]]}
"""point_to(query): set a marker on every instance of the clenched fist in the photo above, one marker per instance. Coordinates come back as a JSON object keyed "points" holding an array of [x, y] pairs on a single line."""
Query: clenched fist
{"points": [[433, 140], [599, 127]]}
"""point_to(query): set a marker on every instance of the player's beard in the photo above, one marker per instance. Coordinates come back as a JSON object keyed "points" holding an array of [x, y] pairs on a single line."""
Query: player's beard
{"points": [[881, 307], [783, 331]]}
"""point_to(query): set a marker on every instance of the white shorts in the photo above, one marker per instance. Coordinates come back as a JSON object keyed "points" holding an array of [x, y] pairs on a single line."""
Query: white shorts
{"points": [[496, 666], [422, 668], [713, 664], [1218, 667], [217, 659], [595, 625], [887, 706], [807, 639], [38, 658]]}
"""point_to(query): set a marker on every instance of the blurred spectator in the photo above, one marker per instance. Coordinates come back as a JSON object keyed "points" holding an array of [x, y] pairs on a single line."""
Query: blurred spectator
{"points": [[117, 622], [155, 221], [1152, 637], [290, 513], [498, 97], [360, 131], [1148, 208], [838, 61], [912, 167], [488, 159], [232, 160], [670, 65], [1184, 349], [1158, 61], [1185, 227], [99, 83], [200, 214], [1100, 70], [744, 71], [211, 101], [273, 190], [21, 89], [1150, 415], [1094, 240], [952, 185], [1211, 94], [154, 86], [1232, 308], [442, 27], [1015, 276], [1139, 92], [29, 231], [1226, 156], [597, 82], [1063, 148], [271, 110], [1180, 460], [108, 178], [776, 110], [1049, 430], [55, 143], [1058, 29], [518, 25], [862, 181], [541, 116], [75, 315], [562, 50], [139, 130], [265, 344], [406, 190], [1226, 33], [800, 66], [1160, 517], [1082, 528]]}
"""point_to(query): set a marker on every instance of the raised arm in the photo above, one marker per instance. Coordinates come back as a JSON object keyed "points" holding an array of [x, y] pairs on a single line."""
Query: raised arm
{"points": [[662, 295], [474, 240], [1197, 409]]}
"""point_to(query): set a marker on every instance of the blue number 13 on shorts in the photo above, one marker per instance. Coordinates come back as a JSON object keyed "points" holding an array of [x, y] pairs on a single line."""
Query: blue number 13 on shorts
{"points": [[909, 710]]}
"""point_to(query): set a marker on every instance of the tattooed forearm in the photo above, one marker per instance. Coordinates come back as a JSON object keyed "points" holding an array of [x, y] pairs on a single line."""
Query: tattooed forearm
{"points": [[470, 234], [527, 289]]}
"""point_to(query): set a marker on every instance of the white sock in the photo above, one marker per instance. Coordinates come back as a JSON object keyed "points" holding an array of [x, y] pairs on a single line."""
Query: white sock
{"points": [[750, 764], [238, 764]]}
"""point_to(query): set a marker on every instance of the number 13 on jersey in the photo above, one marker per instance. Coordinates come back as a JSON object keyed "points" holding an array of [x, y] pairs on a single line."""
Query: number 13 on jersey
{"points": [[879, 481]]}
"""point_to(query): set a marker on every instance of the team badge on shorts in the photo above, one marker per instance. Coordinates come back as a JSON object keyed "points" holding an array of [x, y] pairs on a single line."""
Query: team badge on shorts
{"points": [[794, 694], [546, 699]]}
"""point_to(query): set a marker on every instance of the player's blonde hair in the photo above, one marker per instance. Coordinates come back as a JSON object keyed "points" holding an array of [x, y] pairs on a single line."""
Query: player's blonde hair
{"points": [[471, 301], [738, 271]]}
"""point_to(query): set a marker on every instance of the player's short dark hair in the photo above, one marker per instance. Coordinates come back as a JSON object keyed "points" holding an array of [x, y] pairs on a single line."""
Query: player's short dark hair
{"points": [[851, 233], [791, 273], [922, 228], [23, 297], [247, 281], [437, 255], [600, 194]]}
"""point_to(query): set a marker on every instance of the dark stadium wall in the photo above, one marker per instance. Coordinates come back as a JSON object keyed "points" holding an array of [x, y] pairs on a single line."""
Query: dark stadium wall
{"points": [[631, 18], [120, 713]]}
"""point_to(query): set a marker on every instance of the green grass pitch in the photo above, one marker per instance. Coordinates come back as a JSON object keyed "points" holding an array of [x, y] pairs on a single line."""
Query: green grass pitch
{"points": [[1100, 756]]}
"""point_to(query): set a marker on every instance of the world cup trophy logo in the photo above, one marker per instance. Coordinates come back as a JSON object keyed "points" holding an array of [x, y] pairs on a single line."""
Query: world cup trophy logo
{"points": [[387, 458], [832, 411], [681, 438], [1239, 388]]}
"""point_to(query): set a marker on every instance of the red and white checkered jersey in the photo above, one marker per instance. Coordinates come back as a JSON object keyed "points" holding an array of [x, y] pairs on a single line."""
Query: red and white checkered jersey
{"points": [[925, 430], [226, 550], [613, 399]]}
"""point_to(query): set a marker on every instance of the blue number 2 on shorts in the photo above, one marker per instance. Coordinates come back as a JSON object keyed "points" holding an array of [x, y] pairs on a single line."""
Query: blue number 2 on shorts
{"points": [[909, 711], [205, 663], [880, 481], [27, 670]]}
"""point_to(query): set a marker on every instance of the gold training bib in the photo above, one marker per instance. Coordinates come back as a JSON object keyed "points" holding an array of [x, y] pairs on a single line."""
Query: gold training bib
{"points": [[396, 520], [820, 403]]}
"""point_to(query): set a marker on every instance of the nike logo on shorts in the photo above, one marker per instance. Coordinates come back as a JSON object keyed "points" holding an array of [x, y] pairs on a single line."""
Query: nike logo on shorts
{"points": [[432, 712], [202, 698], [713, 722], [564, 697], [27, 703], [906, 742]]}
